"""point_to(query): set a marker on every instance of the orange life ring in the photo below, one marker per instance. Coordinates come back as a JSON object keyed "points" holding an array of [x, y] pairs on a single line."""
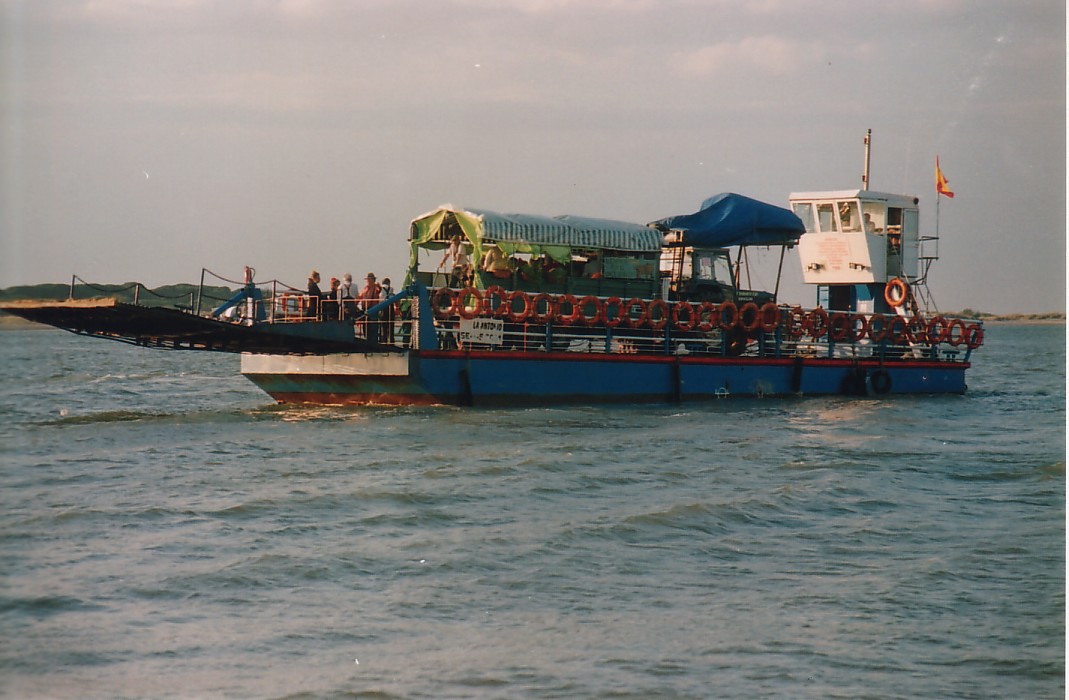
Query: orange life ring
{"points": [[546, 316], [816, 323], [657, 323], [897, 329], [644, 313], [613, 320], [769, 317], [729, 315], [877, 335], [956, 339], [795, 325], [521, 315], [937, 328], [569, 318], [708, 316], [916, 330], [859, 327], [838, 327], [749, 317], [974, 336], [462, 307], [444, 294], [895, 293], [691, 316], [492, 292], [583, 304]]}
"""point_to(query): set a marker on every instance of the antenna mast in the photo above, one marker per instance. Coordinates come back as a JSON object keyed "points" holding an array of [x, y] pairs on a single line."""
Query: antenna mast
{"points": [[868, 156]]}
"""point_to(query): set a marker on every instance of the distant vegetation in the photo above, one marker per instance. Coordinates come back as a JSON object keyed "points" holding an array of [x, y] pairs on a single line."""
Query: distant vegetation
{"points": [[1048, 317], [182, 295]]}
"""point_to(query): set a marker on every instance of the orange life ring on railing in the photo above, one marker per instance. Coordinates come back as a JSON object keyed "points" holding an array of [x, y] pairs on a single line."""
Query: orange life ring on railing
{"points": [[838, 327], [768, 317], [749, 317], [956, 339], [705, 324], [583, 304], [729, 315], [897, 328], [644, 313], [937, 328], [492, 292], [877, 335], [691, 316], [916, 330], [613, 320], [974, 336], [795, 325], [816, 323], [463, 310], [895, 293], [510, 306], [660, 322], [550, 311], [444, 294], [570, 318], [859, 327]]}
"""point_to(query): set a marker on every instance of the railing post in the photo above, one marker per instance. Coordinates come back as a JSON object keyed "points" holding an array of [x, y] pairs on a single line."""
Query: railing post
{"points": [[200, 291], [70, 293], [137, 288]]}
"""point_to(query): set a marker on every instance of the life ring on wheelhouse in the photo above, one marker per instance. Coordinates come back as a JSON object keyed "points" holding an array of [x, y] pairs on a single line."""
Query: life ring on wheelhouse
{"points": [[896, 292]]}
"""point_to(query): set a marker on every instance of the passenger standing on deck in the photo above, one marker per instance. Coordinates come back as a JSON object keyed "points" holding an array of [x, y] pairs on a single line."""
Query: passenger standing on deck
{"points": [[331, 306], [387, 315], [346, 295], [459, 255], [369, 296], [314, 295]]}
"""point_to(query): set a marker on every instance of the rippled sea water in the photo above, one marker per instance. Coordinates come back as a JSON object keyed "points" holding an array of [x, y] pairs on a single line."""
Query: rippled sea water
{"points": [[167, 531]]}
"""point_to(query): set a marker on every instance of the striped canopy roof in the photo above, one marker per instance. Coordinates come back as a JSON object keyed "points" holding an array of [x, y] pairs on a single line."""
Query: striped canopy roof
{"points": [[570, 231]]}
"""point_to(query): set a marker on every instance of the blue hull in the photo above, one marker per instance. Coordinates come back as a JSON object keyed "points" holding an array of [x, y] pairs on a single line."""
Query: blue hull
{"points": [[510, 378]]}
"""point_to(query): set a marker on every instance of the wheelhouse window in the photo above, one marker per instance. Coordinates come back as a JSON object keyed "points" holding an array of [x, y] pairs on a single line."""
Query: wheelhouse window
{"points": [[804, 211], [848, 214], [826, 217]]}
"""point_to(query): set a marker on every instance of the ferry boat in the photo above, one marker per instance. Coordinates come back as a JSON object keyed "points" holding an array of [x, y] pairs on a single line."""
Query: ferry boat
{"points": [[569, 309]]}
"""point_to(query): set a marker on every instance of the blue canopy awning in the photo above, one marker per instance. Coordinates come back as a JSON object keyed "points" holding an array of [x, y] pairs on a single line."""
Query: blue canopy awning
{"points": [[731, 219]]}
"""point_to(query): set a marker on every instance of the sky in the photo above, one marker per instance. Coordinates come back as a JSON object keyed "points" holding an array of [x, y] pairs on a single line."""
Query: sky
{"points": [[148, 139]]}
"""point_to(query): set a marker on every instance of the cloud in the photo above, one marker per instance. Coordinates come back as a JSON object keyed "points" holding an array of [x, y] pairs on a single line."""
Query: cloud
{"points": [[768, 55]]}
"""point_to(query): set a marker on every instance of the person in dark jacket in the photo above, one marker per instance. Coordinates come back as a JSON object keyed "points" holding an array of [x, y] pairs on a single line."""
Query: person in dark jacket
{"points": [[314, 295]]}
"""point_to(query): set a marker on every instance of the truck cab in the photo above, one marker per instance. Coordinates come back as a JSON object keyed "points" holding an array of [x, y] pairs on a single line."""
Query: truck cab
{"points": [[705, 274]]}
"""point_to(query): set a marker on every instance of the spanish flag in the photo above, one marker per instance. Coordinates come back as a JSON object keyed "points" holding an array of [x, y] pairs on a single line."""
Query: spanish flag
{"points": [[941, 182]]}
